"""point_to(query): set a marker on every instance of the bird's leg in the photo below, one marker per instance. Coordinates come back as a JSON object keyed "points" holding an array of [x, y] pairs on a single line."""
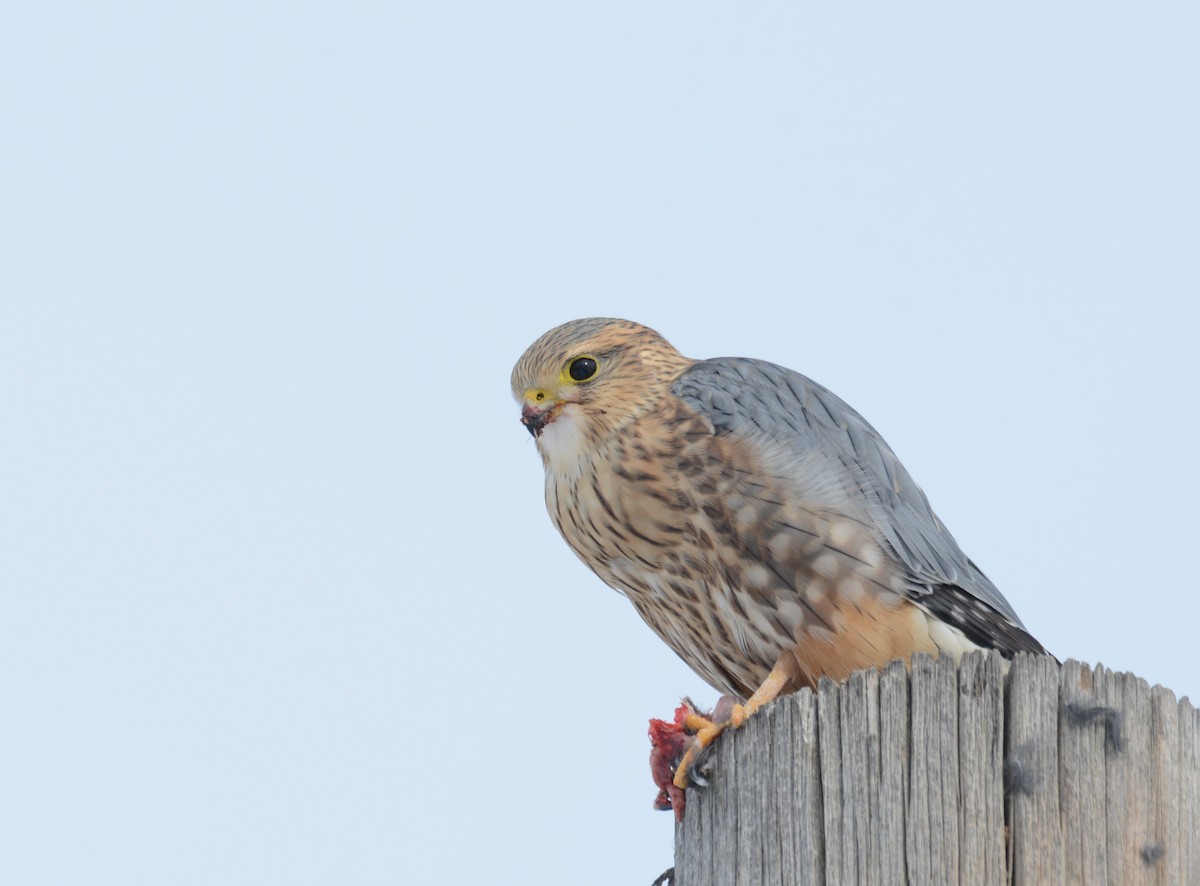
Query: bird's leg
{"points": [[707, 731]]}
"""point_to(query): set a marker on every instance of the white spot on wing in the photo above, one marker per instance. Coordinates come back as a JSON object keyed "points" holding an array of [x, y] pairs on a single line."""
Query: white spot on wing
{"points": [[841, 534], [852, 588], [757, 575], [791, 614], [947, 637], [827, 565]]}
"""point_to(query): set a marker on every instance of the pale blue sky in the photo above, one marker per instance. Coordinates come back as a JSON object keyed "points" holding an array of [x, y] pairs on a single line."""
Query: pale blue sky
{"points": [[282, 604]]}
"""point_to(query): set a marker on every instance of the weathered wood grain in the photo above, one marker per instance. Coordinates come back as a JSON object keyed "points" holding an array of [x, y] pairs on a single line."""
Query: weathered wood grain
{"points": [[1031, 767], [981, 770], [932, 838], [894, 740], [1161, 855], [1189, 793], [1082, 781], [976, 772]]}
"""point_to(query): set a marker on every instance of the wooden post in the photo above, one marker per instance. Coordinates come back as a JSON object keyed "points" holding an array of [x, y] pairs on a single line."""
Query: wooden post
{"points": [[973, 772]]}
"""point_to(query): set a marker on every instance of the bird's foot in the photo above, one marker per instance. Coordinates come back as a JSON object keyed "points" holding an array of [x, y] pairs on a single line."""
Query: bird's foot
{"points": [[675, 747], [704, 732]]}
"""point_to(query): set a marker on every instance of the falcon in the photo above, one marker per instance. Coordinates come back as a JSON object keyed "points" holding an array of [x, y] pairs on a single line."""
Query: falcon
{"points": [[758, 524]]}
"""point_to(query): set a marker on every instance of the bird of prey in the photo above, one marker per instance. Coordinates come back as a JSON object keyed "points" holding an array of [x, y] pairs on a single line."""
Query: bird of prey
{"points": [[759, 525]]}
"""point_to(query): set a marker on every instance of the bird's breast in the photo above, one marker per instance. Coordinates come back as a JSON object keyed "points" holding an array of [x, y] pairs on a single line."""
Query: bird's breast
{"points": [[661, 526]]}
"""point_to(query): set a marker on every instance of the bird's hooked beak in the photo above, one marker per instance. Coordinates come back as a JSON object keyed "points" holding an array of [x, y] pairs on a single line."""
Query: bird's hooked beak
{"points": [[538, 411]]}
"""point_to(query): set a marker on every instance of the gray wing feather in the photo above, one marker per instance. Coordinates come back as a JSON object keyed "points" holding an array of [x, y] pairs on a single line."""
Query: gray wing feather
{"points": [[753, 398]]}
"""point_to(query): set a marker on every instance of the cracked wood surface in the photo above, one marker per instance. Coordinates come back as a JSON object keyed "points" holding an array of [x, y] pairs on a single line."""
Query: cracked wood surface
{"points": [[954, 773]]}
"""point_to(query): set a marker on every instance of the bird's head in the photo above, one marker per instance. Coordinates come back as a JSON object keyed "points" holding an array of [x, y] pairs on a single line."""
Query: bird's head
{"points": [[584, 380]]}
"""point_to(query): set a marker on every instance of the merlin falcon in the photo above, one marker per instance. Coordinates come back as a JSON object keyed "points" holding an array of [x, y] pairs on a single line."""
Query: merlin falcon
{"points": [[759, 525]]}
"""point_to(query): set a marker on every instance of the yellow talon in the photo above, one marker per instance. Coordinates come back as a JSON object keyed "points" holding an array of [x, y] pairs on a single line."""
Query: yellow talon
{"points": [[707, 731]]}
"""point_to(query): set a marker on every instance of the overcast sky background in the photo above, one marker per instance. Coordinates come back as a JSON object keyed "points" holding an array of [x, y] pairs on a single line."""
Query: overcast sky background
{"points": [[281, 600]]}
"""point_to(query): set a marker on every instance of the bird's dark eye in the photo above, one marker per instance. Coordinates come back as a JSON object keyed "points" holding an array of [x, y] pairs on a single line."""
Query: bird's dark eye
{"points": [[582, 368]]}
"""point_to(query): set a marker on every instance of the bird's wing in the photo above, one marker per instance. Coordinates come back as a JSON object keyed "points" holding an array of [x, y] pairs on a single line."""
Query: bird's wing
{"points": [[834, 453]]}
